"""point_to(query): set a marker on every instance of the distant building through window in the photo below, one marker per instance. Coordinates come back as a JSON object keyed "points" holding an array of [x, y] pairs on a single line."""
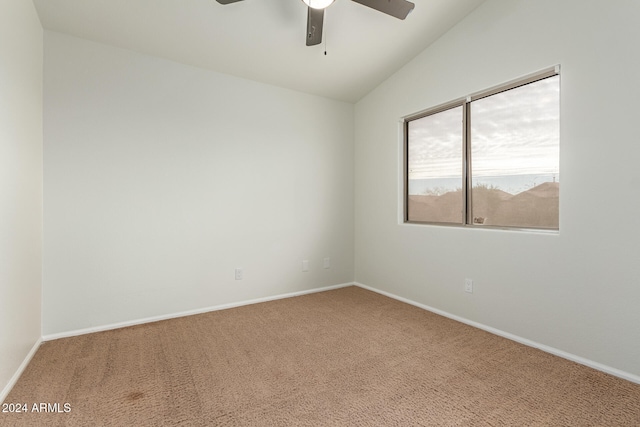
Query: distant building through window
{"points": [[491, 159]]}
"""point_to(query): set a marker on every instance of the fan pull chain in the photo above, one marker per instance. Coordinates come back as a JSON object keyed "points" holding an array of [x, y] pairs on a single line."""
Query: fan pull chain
{"points": [[325, 40]]}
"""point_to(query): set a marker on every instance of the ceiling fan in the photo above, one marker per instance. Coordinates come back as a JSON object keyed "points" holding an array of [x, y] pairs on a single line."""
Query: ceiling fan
{"points": [[315, 15]]}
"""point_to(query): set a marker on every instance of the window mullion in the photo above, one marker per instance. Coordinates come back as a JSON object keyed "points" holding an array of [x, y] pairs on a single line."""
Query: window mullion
{"points": [[466, 161]]}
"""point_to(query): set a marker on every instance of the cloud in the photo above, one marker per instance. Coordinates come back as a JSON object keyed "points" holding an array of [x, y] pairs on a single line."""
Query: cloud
{"points": [[512, 132], [435, 145]]}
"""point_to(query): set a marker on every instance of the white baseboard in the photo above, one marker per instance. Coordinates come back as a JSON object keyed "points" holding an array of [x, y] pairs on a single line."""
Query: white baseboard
{"points": [[108, 327], [21, 368], [581, 360]]}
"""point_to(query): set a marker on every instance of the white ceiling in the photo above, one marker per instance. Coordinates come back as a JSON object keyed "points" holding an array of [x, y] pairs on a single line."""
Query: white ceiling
{"points": [[264, 40]]}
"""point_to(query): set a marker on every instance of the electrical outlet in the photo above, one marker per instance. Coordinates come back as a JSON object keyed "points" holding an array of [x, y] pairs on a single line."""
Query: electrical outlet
{"points": [[468, 285], [305, 265], [327, 262], [238, 274]]}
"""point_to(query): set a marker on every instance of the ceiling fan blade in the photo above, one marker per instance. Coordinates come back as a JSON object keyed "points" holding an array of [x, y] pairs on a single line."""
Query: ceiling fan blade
{"points": [[398, 8], [315, 18], [227, 1]]}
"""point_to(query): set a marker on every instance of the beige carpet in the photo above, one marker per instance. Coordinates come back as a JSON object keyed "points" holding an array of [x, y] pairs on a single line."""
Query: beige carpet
{"points": [[347, 357]]}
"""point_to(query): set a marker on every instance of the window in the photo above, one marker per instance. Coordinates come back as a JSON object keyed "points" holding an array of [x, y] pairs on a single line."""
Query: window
{"points": [[489, 160]]}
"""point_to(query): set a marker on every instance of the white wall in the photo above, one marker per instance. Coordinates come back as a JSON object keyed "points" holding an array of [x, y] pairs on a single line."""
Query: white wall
{"points": [[20, 185], [161, 178], [577, 291]]}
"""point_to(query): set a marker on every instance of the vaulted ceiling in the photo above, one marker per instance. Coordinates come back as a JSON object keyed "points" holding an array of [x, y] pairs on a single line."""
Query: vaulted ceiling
{"points": [[264, 40]]}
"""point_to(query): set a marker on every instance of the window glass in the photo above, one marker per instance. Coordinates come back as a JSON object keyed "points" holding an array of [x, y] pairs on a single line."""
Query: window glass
{"points": [[434, 149], [490, 160], [515, 156]]}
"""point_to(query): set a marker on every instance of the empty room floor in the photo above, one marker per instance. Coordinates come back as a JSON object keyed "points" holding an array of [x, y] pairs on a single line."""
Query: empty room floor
{"points": [[341, 357]]}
